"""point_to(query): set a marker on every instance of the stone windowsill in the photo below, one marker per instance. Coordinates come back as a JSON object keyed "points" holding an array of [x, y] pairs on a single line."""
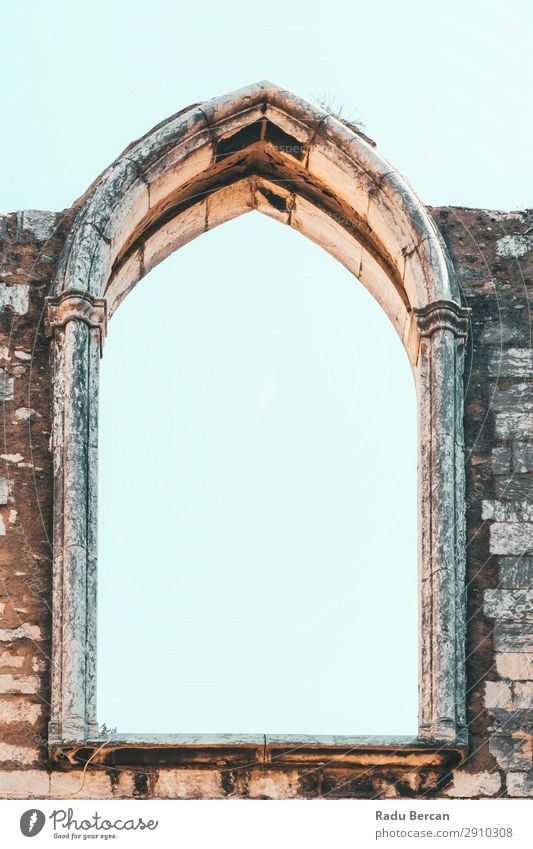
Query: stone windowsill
{"points": [[254, 750]]}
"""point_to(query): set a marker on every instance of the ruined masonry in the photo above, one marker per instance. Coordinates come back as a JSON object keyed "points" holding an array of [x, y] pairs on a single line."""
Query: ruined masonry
{"points": [[264, 149]]}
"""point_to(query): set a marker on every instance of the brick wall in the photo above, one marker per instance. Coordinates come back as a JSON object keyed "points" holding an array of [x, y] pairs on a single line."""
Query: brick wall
{"points": [[493, 255]]}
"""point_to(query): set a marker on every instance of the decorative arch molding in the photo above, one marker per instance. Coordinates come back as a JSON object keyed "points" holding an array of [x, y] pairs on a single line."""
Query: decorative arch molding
{"points": [[260, 148]]}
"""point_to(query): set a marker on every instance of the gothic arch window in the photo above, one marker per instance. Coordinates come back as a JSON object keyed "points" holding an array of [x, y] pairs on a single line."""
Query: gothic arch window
{"points": [[262, 149]]}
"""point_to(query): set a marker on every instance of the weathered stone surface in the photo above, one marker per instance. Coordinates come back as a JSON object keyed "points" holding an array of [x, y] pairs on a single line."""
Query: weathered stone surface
{"points": [[505, 695], [25, 414], [26, 784], [520, 784], [512, 752], [6, 387], [4, 490], [6, 658], [25, 356], [516, 571], [12, 458], [269, 786], [92, 785], [523, 695], [498, 694], [509, 604], [15, 298], [19, 710], [515, 665], [29, 632], [501, 460], [511, 538], [38, 222], [513, 637], [194, 784], [25, 755], [507, 511], [510, 721], [511, 362], [472, 785], [515, 488], [513, 425], [518, 397], [522, 457], [19, 684], [514, 247]]}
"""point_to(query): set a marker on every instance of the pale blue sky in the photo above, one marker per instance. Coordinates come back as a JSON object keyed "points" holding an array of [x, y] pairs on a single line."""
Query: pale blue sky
{"points": [[258, 469], [444, 88], [257, 493]]}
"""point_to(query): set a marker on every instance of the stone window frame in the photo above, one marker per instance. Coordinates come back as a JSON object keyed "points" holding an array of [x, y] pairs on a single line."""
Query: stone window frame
{"points": [[260, 148]]}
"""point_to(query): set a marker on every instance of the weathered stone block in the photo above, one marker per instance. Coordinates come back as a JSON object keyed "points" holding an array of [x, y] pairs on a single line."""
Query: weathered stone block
{"points": [[515, 665], [498, 694], [39, 222], [509, 604], [4, 490], [512, 752], [518, 398], [189, 784], [22, 632], [19, 710], [500, 460], [511, 362], [522, 457], [26, 784], [19, 684], [514, 247], [516, 571], [509, 721], [520, 784], [15, 298], [496, 333], [269, 786], [15, 661], [515, 488], [523, 695], [513, 425], [25, 755], [25, 414], [513, 636], [511, 538], [124, 788], [92, 785], [507, 511], [470, 785], [6, 387]]}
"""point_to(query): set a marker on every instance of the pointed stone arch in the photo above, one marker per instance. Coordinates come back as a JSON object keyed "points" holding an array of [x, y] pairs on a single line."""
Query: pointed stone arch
{"points": [[260, 148]]}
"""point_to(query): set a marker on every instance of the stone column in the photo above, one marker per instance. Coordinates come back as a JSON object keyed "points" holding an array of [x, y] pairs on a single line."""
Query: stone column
{"points": [[443, 328], [77, 324]]}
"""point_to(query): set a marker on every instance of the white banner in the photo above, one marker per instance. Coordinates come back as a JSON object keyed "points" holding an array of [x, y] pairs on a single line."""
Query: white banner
{"points": [[273, 825]]}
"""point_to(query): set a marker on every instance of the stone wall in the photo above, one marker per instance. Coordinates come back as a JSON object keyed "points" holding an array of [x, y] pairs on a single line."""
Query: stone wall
{"points": [[493, 255]]}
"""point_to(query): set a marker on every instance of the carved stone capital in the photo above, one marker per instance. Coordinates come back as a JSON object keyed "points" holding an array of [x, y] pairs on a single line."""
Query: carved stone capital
{"points": [[74, 305], [443, 315]]}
